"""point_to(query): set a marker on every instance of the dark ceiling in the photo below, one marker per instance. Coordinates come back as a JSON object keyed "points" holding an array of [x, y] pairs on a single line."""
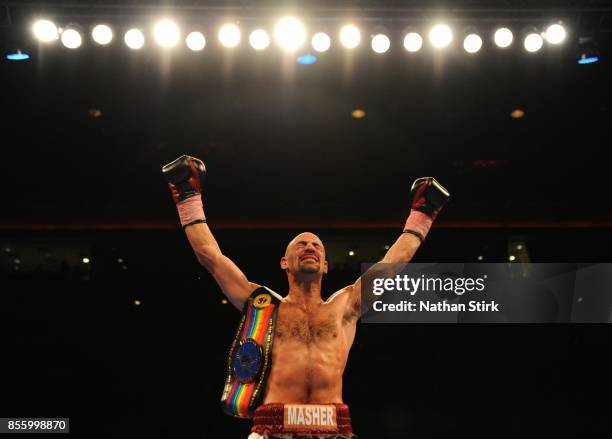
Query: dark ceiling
{"points": [[278, 138]]}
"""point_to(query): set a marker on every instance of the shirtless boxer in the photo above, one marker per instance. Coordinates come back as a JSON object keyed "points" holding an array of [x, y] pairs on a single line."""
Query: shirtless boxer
{"points": [[312, 337]]}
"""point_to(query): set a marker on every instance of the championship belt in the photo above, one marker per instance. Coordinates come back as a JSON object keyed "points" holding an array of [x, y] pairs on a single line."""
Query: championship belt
{"points": [[250, 357]]}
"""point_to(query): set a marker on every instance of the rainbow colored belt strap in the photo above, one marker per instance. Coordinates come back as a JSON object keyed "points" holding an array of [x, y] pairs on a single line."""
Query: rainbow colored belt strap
{"points": [[250, 357]]}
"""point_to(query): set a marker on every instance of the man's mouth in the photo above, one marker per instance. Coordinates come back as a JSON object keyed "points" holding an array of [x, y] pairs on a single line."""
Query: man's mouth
{"points": [[309, 257]]}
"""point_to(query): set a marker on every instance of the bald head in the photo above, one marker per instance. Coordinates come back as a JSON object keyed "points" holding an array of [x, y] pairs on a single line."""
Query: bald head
{"points": [[305, 254], [304, 236]]}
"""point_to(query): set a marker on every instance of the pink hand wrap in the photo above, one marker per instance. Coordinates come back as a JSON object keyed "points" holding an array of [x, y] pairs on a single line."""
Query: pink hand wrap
{"points": [[191, 209], [419, 222]]}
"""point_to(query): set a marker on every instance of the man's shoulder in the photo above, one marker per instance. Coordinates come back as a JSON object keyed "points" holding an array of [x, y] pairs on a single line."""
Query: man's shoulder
{"points": [[262, 289], [340, 295]]}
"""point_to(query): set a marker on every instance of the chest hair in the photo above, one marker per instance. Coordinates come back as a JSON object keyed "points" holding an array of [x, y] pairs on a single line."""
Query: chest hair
{"points": [[306, 328]]}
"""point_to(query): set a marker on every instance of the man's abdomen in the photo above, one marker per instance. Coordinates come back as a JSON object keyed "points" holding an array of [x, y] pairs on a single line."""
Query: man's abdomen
{"points": [[306, 374]]}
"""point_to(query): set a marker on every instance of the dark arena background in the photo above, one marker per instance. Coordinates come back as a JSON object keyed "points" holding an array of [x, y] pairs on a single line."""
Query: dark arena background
{"points": [[109, 320]]}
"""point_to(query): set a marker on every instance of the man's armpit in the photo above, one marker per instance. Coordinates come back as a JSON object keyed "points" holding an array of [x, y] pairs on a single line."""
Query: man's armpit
{"points": [[352, 309]]}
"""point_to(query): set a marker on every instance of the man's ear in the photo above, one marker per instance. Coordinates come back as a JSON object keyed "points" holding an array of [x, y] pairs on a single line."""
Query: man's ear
{"points": [[325, 267], [283, 263]]}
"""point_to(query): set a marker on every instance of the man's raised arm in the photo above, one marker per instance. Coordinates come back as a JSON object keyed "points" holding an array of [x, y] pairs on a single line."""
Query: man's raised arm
{"points": [[184, 176], [428, 198]]}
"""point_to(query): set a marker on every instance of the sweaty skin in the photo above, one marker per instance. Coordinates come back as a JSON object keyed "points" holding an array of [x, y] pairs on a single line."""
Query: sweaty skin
{"points": [[312, 337], [310, 351]]}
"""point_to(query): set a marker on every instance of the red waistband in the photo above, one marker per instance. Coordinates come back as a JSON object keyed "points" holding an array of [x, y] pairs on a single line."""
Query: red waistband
{"points": [[270, 419]]}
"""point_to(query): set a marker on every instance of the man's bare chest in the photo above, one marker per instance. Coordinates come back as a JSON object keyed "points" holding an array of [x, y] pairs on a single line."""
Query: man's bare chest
{"points": [[307, 327]]}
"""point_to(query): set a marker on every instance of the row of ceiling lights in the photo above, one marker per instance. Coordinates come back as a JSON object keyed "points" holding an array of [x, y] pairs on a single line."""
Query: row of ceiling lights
{"points": [[290, 34]]}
